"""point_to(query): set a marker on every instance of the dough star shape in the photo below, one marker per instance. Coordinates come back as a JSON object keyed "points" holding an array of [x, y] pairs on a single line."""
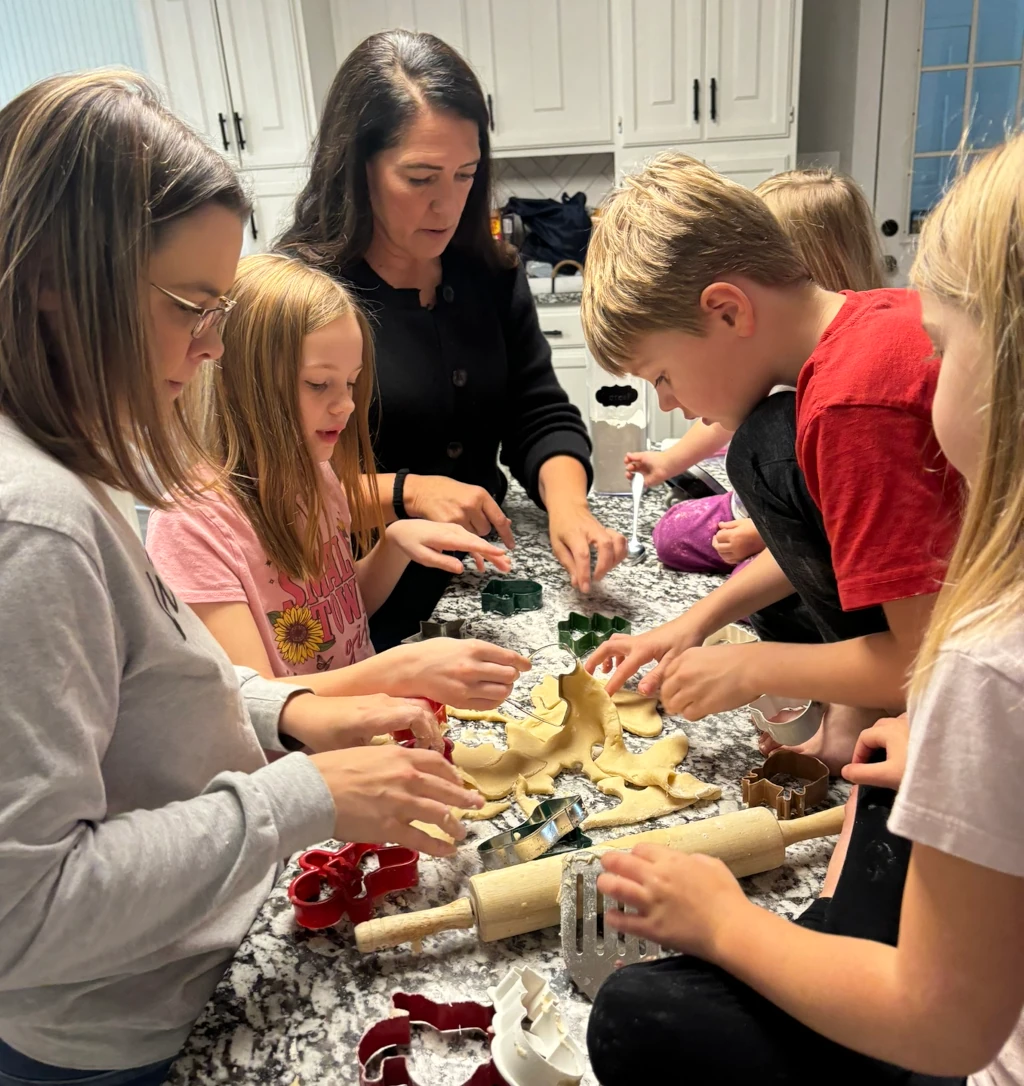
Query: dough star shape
{"points": [[641, 804]]}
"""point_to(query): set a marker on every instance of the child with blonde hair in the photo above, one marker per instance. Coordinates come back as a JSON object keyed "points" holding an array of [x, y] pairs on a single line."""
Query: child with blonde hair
{"points": [[829, 221], [938, 988], [264, 557], [693, 284]]}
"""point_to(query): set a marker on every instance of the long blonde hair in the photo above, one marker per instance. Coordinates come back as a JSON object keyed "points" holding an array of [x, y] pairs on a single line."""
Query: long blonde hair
{"points": [[971, 255], [93, 170], [249, 410], [827, 217]]}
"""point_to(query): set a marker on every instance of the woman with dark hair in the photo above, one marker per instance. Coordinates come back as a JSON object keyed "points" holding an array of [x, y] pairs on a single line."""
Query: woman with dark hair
{"points": [[398, 205]]}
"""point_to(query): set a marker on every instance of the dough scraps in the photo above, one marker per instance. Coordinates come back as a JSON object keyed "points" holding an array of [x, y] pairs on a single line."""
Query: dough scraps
{"points": [[491, 771], [641, 804], [487, 811], [637, 715], [526, 804], [655, 767]]}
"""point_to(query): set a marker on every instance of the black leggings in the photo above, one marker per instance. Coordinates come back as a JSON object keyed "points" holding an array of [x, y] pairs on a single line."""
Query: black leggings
{"points": [[683, 1020], [762, 467]]}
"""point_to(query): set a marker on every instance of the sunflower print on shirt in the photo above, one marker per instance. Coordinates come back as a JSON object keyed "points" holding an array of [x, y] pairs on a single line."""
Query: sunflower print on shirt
{"points": [[299, 636]]}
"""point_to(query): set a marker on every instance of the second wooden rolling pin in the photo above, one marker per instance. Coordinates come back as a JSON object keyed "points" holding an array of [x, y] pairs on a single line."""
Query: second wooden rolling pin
{"points": [[525, 897]]}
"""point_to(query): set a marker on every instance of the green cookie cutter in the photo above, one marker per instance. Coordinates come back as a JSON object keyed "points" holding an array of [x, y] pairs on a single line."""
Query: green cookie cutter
{"points": [[581, 634], [510, 597]]}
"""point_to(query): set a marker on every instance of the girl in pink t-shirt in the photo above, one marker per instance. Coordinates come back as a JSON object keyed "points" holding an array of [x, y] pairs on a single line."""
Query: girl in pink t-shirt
{"points": [[262, 554]]}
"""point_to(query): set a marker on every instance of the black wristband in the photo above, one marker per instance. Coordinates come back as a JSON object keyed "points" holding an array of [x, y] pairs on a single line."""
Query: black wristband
{"points": [[398, 494]]}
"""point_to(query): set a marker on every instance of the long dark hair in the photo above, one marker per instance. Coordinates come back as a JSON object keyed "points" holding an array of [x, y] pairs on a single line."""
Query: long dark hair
{"points": [[378, 90]]}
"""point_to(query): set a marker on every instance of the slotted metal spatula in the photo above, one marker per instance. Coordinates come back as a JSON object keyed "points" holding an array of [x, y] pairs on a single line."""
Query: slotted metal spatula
{"points": [[592, 950]]}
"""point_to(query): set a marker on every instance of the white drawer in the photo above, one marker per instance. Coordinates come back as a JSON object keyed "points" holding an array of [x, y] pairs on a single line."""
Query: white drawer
{"points": [[561, 325]]}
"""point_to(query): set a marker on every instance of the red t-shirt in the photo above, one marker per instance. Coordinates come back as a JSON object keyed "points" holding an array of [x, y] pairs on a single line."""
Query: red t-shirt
{"points": [[865, 443]]}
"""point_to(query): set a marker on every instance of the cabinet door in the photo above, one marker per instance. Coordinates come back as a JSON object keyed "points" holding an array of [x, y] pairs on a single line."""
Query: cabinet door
{"points": [[265, 56], [571, 370], [747, 68], [183, 56], [660, 45], [551, 73], [748, 167], [274, 193]]}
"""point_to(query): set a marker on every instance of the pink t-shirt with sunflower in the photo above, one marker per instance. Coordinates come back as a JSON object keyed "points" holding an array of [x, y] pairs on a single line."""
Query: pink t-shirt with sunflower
{"points": [[207, 552]]}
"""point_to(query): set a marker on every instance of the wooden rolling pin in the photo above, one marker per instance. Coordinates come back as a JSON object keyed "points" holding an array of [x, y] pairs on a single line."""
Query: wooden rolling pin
{"points": [[523, 898]]}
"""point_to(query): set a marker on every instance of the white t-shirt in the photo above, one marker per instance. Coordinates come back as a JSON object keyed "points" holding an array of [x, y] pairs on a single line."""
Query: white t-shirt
{"points": [[966, 741]]}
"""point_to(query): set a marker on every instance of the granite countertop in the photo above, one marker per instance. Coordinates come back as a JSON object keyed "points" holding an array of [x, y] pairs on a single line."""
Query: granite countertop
{"points": [[293, 1004]]}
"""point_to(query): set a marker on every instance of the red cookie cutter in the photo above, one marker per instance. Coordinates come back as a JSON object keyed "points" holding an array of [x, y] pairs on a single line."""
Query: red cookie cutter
{"points": [[349, 890], [396, 1032], [405, 738]]}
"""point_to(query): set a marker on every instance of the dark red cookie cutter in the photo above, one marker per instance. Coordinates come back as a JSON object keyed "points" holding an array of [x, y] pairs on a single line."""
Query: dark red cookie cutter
{"points": [[405, 738], [349, 890], [396, 1032]]}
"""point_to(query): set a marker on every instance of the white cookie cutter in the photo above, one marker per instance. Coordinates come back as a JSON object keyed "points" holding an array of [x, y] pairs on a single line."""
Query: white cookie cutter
{"points": [[541, 1055]]}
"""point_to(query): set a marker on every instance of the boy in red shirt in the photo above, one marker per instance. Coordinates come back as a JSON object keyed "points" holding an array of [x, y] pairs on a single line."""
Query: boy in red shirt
{"points": [[691, 284]]}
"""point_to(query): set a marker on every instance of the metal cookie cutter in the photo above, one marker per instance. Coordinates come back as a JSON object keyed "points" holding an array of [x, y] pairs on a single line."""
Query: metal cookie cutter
{"points": [[787, 720], [396, 1032], [452, 627], [349, 890], [553, 820], [789, 801], [510, 597], [581, 634]]}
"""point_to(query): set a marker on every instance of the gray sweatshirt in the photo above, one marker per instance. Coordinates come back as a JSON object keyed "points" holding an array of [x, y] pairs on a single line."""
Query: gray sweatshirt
{"points": [[140, 826]]}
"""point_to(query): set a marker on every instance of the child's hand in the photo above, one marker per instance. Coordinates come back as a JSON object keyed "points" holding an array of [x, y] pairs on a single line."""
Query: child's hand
{"points": [[890, 735], [323, 724], [682, 901], [651, 466], [467, 674], [628, 654], [425, 542], [703, 681], [736, 540]]}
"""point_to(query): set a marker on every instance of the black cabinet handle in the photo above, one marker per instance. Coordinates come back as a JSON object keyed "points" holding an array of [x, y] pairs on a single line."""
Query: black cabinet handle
{"points": [[490, 112], [553, 333], [714, 102], [238, 131], [696, 99], [252, 223], [224, 131]]}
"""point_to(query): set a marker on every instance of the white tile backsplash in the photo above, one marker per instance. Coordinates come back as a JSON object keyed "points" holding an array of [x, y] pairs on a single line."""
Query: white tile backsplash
{"points": [[551, 175]]}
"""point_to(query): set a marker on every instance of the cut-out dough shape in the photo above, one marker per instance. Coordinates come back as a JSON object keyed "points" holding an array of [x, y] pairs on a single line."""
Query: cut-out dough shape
{"points": [[641, 804], [491, 771], [488, 810]]}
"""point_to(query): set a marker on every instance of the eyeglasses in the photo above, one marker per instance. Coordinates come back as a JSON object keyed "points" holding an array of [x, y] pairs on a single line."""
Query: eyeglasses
{"points": [[208, 319]]}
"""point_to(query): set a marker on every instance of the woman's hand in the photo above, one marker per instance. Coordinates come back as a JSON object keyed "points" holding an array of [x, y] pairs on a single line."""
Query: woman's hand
{"points": [[574, 530], [682, 901], [323, 724], [890, 735], [425, 542], [628, 654], [702, 681], [466, 674], [736, 540], [379, 791], [653, 466], [437, 498]]}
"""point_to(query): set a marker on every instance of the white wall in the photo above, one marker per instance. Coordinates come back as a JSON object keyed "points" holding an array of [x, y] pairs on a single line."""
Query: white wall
{"points": [[39, 38]]}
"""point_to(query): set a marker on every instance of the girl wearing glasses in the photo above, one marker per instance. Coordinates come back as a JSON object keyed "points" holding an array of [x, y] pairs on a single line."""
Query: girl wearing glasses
{"points": [[263, 558], [140, 824]]}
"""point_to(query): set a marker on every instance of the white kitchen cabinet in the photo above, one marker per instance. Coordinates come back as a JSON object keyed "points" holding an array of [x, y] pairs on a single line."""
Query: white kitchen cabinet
{"points": [[749, 163], [456, 22], [696, 70], [747, 68], [273, 113], [551, 74], [273, 196], [571, 370], [238, 71], [660, 52]]}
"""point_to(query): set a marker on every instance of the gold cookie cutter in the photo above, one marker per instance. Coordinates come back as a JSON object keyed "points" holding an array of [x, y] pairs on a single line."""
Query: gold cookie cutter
{"points": [[789, 800]]}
